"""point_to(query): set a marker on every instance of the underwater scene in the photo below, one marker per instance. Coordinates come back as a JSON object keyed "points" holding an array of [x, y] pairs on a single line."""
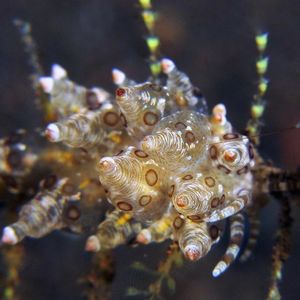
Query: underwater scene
{"points": [[149, 150]]}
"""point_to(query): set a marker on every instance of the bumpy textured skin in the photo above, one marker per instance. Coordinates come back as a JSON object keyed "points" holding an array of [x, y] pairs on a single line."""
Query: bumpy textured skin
{"points": [[179, 170]]}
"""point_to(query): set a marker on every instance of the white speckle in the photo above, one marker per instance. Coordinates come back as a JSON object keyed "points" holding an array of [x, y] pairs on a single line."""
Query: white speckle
{"points": [[47, 84], [118, 76], [167, 65], [219, 269], [92, 244], [52, 132], [9, 236], [101, 94], [58, 72]]}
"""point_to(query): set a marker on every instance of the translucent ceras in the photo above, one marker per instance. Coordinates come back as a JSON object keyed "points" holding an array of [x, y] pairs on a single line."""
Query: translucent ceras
{"points": [[141, 106], [41, 215], [67, 97], [184, 178]]}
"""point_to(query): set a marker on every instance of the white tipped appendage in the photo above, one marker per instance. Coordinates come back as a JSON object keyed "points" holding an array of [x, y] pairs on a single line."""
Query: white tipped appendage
{"points": [[92, 244], [101, 94], [52, 133], [58, 72], [9, 236], [144, 237], [106, 165], [219, 269], [193, 252], [118, 76], [47, 84], [220, 109], [167, 65]]}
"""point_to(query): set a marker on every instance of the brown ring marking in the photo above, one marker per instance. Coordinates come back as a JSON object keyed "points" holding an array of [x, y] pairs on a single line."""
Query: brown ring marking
{"points": [[209, 181], [111, 118], [195, 218], [171, 191], [180, 126], [187, 177], [151, 177], [215, 202], [214, 232], [122, 205], [140, 153], [213, 152], [251, 151], [178, 222], [223, 168], [68, 188], [243, 170], [230, 136], [150, 118], [73, 213], [190, 137], [222, 200], [92, 100], [123, 120], [145, 200]]}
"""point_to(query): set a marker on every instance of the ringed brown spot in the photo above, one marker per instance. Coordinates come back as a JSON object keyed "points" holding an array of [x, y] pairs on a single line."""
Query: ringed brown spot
{"points": [[224, 169], [251, 151], [171, 191], [178, 222], [215, 202], [187, 177], [190, 137], [209, 181], [92, 100], [243, 170], [150, 118], [230, 136], [222, 200], [145, 200], [195, 218], [125, 206], [213, 152], [123, 120], [214, 232], [68, 188], [73, 213], [180, 126], [140, 153], [111, 118], [151, 177]]}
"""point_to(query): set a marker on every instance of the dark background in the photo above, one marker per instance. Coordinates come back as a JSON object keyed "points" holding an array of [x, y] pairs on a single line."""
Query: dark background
{"points": [[212, 41]]}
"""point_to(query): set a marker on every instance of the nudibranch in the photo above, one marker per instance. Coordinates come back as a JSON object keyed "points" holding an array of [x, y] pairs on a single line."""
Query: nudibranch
{"points": [[169, 169]]}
